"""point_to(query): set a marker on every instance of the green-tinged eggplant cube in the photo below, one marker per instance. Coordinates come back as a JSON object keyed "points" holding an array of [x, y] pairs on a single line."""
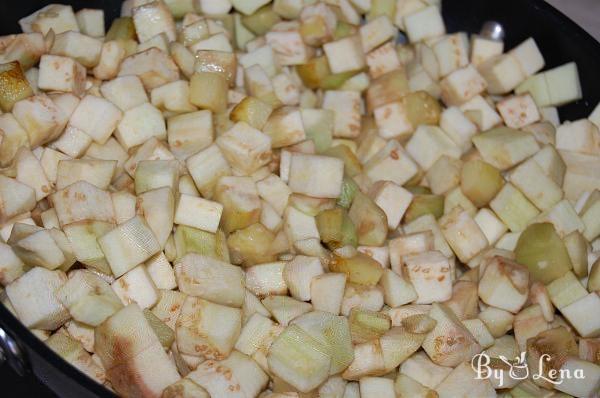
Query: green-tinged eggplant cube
{"points": [[128, 245], [543, 252], [513, 208]]}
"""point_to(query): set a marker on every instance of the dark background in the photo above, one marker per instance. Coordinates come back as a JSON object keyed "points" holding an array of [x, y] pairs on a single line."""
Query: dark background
{"points": [[28, 386]]}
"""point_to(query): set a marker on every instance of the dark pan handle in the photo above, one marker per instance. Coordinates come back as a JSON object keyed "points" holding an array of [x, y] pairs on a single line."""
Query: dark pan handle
{"points": [[12, 354]]}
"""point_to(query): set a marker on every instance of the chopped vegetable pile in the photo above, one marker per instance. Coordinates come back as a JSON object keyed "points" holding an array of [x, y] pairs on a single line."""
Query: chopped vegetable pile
{"points": [[298, 198]]}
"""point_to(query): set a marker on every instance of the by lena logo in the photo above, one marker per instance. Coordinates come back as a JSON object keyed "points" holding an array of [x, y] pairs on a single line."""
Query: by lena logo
{"points": [[517, 369]]}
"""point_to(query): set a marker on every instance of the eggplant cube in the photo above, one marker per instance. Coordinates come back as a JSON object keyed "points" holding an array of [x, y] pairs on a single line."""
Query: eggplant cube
{"points": [[382, 60], [463, 381], [30, 172], [392, 199], [152, 149], [83, 49], [153, 18], [376, 32], [96, 117], [391, 163], [551, 163], [580, 136], [579, 314], [345, 55], [83, 201], [13, 137], [15, 198], [34, 299], [490, 225], [210, 279], [528, 323], [450, 342], [327, 292], [519, 111], [286, 89], [168, 307], [161, 272], [285, 127], [576, 387], [158, 208], [42, 249], [208, 90], [83, 237], [236, 375], [73, 352], [316, 176], [198, 213], [298, 225], [96, 172], [483, 49], [298, 275], [190, 133], [154, 174], [503, 147], [126, 92], [424, 24], [206, 168], [91, 22], [73, 143], [397, 291], [420, 368], [479, 111], [124, 204], [136, 286], [266, 279], [289, 47], [240, 200], [136, 363], [437, 143], [589, 216], [173, 96], [14, 84], [462, 85], [411, 243], [275, 192], [246, 148], [540, 189], [61, 74], [392, 121], [111, 55], [128, 245], [43, 120], [140, 124], [88, 297], [430, 275], [463, 234], [12, 266], [444, 175], [346, 108], [502, 73], [504, 284], [207, 329], [154, 67], [452, 53], [376, 387], [528, 56], [513, 208]]}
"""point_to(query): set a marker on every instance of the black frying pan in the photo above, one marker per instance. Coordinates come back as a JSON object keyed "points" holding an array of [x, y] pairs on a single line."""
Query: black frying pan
{"points": [[559, 39]]}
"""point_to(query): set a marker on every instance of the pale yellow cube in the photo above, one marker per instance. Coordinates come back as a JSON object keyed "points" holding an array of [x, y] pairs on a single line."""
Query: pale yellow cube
{"points": [[345, 55]]}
